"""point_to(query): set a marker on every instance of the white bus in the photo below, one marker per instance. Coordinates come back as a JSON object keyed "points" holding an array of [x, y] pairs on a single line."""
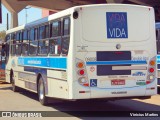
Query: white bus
{"points": [[105, 51], [158, 50]]}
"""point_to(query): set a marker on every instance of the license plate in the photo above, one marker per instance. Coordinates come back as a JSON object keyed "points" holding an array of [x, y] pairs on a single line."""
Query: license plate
{"points": [[118, 82]]}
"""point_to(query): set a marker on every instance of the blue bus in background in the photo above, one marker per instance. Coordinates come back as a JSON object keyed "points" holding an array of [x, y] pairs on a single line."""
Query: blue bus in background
{"points": [[158, 49], [2, 63]]}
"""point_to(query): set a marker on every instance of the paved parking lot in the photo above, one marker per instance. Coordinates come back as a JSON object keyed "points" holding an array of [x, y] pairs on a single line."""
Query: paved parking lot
{"points": [[27, 101]]}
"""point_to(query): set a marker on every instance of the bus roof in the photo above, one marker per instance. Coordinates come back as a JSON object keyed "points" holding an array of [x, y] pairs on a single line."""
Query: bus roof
{"points": [[61, 14], [15, 29]]}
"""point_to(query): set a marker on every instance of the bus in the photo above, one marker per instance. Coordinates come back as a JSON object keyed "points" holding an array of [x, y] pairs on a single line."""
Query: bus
{"points": [[158, 49], [102, 51], [2, 63]]}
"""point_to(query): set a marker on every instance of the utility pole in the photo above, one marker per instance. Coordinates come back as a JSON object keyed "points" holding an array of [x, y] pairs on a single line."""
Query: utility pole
{"points": [[7, 22], [26, 12]]}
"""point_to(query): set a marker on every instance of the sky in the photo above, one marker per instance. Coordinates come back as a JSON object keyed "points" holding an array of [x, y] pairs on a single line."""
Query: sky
{"points": [[32, 15]]}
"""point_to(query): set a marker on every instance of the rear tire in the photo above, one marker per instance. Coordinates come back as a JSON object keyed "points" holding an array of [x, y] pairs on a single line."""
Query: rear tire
{"points": [[41, 92], [14, 87]]}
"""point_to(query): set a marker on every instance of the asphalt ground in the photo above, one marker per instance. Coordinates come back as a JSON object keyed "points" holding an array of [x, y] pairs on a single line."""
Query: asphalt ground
{"points": [[28, 101]]}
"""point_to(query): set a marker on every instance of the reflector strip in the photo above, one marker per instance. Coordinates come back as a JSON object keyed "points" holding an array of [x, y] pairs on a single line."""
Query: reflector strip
{"points": [[84, 91], [81, 91], [86, 84], [152, 88], [148, 82]]}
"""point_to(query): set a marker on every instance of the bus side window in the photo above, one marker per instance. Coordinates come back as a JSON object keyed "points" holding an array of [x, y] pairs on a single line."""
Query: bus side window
{"points": [[65, 46], [52, 47], [18, 43], [13, 44], [42, 32], [55, 47], [66, 26], [47, 31], [55, 41], [55, 27], [5, 48], [43, 47], [25, 43], [66, 36], [33, 47], [43, 42]]}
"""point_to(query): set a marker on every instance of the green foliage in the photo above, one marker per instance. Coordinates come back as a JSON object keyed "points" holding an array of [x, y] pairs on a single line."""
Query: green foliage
{"points": [[2, 35]]}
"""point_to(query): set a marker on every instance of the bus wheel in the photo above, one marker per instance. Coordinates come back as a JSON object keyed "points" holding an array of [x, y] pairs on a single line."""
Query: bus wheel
{"points": [[14, 87], [41, 92]]}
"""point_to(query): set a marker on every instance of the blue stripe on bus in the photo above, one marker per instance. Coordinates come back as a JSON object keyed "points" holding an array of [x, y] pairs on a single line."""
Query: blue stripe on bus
{"points": [[55, 63], [120, 62], [158, 59]]}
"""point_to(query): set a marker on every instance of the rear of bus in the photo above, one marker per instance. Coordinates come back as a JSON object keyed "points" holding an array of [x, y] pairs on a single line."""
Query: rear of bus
{"points": [[115, 52]]}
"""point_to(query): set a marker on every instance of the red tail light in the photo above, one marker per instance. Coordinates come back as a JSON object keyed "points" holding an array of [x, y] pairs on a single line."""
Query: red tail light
{"points": [[151, 70], [81, 72]]}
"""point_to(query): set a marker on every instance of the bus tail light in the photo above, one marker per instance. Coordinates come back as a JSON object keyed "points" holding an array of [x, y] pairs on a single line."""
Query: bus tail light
{"points": [[152, 62], [150, 77], [81, 73], [151, 70], [80, 64], [83, 81]]}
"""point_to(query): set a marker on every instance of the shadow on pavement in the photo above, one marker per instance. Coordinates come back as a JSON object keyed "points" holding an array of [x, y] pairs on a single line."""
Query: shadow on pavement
{"points": [[6, 88], [29, 94], [77, 108], [3, 82], [158, 90], [93, 105]]}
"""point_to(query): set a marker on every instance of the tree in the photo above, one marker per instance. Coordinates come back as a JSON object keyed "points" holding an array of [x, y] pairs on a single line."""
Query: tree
{"points": [[2, 35]]}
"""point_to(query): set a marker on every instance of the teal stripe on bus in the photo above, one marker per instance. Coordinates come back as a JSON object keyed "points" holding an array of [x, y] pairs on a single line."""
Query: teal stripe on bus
{"points": [[43, 62]]}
